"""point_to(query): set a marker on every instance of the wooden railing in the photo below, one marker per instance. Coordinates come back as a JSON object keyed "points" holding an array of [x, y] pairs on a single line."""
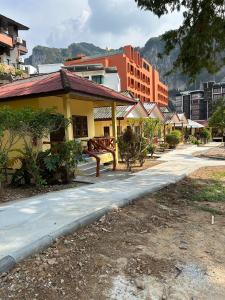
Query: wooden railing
{"points": [[100, 144]]}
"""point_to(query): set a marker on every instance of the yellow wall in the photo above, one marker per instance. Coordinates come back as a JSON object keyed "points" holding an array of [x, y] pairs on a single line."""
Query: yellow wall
{"points": [[78, 107], [99, 126]]}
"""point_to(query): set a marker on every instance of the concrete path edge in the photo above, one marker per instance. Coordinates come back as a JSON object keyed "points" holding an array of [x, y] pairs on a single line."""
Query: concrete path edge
{"points": [[9, 262]]}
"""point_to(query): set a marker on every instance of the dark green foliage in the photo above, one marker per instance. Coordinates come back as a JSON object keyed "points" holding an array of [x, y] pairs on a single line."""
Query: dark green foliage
{"points": [[132, 147], [151, 149], [29, 171], [11, 132], [200, 37], [217, 120], [205, 135], [193, 140], [54, 166], [172, 140], [61, 162], [177, 133]]}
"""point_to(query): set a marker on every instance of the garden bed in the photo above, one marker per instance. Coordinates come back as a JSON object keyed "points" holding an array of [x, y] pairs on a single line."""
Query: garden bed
{"points": [[10, 193], [137, 168]]}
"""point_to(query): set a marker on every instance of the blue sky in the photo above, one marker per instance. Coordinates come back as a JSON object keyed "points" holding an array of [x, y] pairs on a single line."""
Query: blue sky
{"points": [[106, 23]]}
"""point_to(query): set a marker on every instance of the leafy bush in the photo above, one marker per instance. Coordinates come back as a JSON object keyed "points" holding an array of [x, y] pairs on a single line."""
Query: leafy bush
{"points": [[192, 139], [132, 147], [32, 126], [177, 133], [10, 70], [163, 146], [61, 163], [151, 149], [172, 140], [205, 135], [54, 166]]}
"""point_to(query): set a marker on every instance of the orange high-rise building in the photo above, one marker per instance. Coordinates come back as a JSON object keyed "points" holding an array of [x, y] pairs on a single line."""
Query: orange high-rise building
{"points": [[136, 74]]}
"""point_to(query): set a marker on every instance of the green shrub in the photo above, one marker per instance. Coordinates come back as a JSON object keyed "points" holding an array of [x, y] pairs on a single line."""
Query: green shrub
{"points": [[177, 133], [151, 149], [164, 146], [61, 164], [205, 135], [172, 140], [192, 139], [132, 147], [54, 166]]}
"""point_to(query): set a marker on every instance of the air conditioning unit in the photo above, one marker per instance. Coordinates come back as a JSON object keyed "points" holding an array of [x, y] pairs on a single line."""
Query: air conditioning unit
{"points": [[21, 60], [19, 40]]}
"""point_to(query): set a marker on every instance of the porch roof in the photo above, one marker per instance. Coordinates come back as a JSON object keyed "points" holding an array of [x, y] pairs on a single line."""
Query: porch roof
{"points": [[193, 124], [62, 81], [105, 113], [122, 112]]}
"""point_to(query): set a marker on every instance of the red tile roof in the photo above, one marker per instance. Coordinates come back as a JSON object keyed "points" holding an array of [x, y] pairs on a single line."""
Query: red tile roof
{"points": [[62, 81]]}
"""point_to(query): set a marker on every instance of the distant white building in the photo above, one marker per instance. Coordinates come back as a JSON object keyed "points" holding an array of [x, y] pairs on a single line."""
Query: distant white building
{"points": [[31, 70], [49, 68], [108, 77]]}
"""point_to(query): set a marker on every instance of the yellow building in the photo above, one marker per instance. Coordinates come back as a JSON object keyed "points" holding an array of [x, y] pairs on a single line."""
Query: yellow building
{"points": [[75, 98], [127, 115]]}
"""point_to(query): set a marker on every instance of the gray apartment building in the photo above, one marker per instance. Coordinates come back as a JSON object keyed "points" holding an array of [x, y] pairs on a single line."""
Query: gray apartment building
{"points": [[198, 104], [212, 93], [192, 103]]}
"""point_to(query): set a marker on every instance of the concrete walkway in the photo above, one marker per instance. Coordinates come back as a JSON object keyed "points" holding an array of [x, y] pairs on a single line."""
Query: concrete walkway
{"points": [[28, 225]]}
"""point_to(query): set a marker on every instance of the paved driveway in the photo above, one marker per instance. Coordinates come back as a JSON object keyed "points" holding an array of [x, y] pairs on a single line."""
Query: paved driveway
{"points": [[29, 224]]}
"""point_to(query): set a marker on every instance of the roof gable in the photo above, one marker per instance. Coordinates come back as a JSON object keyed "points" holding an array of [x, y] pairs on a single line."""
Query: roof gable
{"points": [[122, 112], [153, 110]]}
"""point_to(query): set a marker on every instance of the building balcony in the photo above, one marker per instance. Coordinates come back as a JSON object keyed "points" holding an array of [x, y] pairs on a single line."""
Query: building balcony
{"points": [[23, 48], [6, 40]]}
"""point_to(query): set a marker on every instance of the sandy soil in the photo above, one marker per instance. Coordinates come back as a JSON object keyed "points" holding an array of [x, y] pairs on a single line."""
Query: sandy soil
{"points": [[218, 152], [136, 168], [160, 247]]}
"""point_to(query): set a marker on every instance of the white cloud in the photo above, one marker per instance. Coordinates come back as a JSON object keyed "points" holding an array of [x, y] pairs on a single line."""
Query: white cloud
{"points": [[110, 23]]}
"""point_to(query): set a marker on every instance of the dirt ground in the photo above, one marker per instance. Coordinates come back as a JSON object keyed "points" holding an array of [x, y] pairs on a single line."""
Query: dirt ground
{"points": [[162, 246], [215, 152], [15, 193], [136, 168]]}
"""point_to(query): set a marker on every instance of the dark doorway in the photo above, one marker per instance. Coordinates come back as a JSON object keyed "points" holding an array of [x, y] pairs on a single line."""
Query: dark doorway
{"points": [[106, 131]]}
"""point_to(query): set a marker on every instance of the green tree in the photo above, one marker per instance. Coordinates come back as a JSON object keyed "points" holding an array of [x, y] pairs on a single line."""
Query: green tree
{"points": [[151, 128], [217, 119], [11, 132], [201, 36], [37, 125]]}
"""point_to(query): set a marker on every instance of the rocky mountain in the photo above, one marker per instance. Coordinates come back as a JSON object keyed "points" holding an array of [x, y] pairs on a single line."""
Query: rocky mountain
{"points": [[177, 81], [47, 55]]}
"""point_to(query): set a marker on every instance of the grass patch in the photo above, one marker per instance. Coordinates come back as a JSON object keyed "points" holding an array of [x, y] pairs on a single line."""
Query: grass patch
{"points": [[211, 210], [215, 192], [218, 175]]}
